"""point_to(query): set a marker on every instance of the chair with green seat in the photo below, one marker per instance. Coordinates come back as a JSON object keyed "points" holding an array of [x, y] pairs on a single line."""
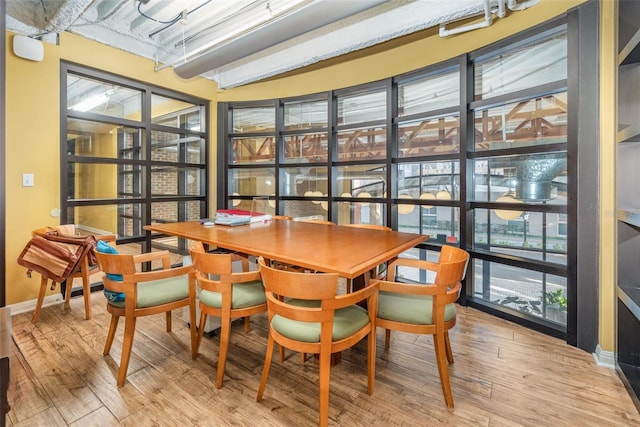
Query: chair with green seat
{"points": [[422, 308], [224, 294], [132, 294], [307, 316]]}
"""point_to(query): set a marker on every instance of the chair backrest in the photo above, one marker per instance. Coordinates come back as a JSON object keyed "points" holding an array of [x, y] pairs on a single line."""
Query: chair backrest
{"points": [[290, 284], [450, 269], [369, 226], [207, 265], [316, 221]]}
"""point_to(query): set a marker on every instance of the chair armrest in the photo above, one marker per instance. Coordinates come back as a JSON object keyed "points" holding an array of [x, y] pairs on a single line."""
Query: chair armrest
{"points": [[352, 298], [163, 256], [408, 288]]}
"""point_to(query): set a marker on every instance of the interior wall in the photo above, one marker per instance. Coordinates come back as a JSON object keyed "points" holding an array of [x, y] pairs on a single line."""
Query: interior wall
{"points": [[33, 137]]}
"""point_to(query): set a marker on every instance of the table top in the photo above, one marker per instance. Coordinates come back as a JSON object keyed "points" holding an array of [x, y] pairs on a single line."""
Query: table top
{"points": [[349, 251]]}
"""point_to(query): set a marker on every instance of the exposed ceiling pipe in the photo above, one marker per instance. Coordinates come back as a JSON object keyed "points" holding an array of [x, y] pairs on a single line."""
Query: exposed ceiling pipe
{"points": [[67, 15], [488, 20], [514, 5], [309, 18]]}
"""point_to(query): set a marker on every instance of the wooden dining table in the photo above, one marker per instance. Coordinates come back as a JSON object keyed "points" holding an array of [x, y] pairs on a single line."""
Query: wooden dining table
{"points": [[348, 251]]}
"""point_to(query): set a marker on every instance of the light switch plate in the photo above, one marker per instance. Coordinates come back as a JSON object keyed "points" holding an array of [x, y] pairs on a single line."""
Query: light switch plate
{"points": [[27, 180]]}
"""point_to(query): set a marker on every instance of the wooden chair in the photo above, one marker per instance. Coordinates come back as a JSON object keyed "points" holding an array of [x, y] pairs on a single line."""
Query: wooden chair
{"points": [[315, 221], [305, 315], [425, 308], [230, 295], [282, 217], [145, 294], [84, 270]]}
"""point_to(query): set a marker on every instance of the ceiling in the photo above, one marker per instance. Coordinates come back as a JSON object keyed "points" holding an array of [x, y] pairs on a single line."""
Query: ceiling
{"points": [[236, 42]]}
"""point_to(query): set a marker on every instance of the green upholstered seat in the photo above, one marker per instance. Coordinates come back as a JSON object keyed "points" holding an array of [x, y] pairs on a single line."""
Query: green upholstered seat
{"points": [[159, 292], [345, 323], [407, 308], [246, 294]]}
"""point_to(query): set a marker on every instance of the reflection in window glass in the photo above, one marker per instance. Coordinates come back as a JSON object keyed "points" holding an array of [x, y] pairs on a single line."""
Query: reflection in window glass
{"points": [[362, 213], [94, 139], [362, 143], [306, 114], [173, 181], [440, 223], [363, 107], [254, 119], [522, 68], [308, 182], [85, 95], [252, 182], [176, 148], [428, 137], [305, 209], [428, 94], [123, 220], [429, 181], [308, 147], [527, 291], [362, 181], [523, 234], [90, 181], [176, 113], [253, 150], [532, 178], [534, 121]]}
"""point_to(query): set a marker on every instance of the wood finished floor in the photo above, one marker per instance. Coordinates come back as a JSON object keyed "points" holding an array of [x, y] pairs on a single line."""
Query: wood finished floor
{"points": [[504, 375]]}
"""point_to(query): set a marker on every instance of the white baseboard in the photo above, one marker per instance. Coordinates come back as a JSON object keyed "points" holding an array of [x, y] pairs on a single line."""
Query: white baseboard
{"points": [[604, 358], [27, 306]]}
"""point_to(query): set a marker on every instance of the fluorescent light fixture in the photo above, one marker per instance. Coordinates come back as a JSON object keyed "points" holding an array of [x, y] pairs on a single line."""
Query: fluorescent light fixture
{"points": [[91, 102]]}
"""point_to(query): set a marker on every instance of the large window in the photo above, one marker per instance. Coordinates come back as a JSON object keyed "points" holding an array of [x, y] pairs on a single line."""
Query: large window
{"points": [[131, 155], [470, 152]]}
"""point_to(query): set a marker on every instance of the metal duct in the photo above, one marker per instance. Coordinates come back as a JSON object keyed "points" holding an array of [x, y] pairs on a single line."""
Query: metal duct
{"points": [[534, 176], [308, 18]]}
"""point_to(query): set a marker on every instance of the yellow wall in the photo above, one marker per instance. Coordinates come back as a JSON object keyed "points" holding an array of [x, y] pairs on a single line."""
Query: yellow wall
{"points": [[33, 136]]}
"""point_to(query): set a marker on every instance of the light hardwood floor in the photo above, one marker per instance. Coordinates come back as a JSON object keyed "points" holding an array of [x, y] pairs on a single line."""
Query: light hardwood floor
{"points": [[504, 375]]}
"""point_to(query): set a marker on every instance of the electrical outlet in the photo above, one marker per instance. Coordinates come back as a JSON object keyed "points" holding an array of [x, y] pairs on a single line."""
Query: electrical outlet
{"points": [[27, 180]]}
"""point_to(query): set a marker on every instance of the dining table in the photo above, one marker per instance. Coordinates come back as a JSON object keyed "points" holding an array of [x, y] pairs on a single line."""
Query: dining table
{"points": [[349, 251]]}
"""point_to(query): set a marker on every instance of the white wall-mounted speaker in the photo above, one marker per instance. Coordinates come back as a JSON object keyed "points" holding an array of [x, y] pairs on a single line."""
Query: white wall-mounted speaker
{"points": [[28, 48]]}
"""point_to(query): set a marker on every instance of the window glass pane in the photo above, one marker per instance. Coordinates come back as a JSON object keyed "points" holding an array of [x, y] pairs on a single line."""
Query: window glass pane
{"points": [[308, 182], [254, 119], [305, 209], [124, 220], [94, 139], [522, 68], [363, 107], [429, 93], [429, 181], [522, 234], [532, 178], [362, 143], [252, 182], [306, 114], [164, 212], [109, 99], [177, 148], [362, 213], [172, 181], [176, 113], [430, 136], [531, 122], [253, 150], [88, 181], [362, 181], [310, 147], [534, 293], [440, 223]]}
